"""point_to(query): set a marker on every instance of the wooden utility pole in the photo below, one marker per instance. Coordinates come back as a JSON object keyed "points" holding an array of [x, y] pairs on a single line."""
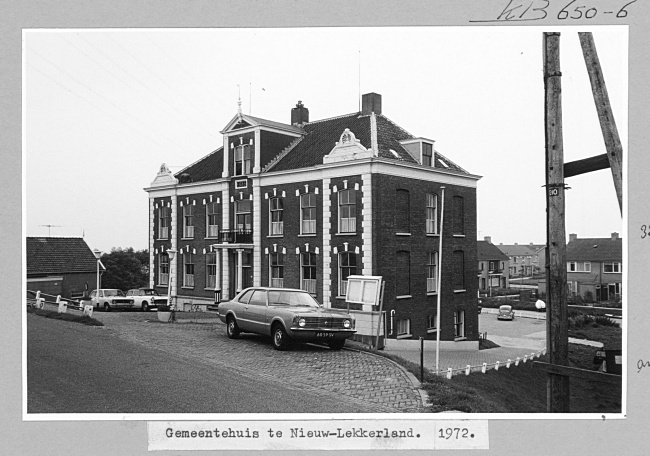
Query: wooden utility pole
{"points": [[605, 114], [557, 341]]}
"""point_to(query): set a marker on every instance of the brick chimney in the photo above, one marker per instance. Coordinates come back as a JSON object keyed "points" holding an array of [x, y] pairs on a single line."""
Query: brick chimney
{"points": [[614, 236], [488, 239], [573, 237], [371, 102], [299, 115]]}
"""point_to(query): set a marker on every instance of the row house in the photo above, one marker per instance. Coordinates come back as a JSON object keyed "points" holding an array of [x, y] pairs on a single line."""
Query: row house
{"points": [[308, 203], [594, 267], [493, 269], [524, 259]]}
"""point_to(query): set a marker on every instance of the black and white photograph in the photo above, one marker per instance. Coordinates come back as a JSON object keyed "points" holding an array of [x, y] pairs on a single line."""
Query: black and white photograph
{"points": [[275, 236]]}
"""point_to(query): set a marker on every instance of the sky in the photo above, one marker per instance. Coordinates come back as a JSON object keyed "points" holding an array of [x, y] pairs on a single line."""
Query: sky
{"points": [[104, 108]]}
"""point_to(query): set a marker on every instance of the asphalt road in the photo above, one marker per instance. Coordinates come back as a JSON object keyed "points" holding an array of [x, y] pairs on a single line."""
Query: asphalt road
{"points": [[73, 368]]}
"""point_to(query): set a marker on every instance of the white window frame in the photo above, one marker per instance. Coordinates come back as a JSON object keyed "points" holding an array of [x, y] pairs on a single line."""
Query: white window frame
{"points": [[432, 321], [308, 284], [459, 324], [188, 265], [188, 221], [308, 226], [163, 278], [403, 328], [579, 266], [432, 213], [616, 268], [211, 230], [432, 273], [239, 212], [276, 208], [276, 281], [343, 284], [244, 163], [164, 214], [432, 163], [211, 279], [347, 225]]}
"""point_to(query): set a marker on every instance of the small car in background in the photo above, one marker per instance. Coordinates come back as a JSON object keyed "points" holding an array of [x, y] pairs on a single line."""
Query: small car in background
{"points": [[286, 315], [506, 313], [146, 298], [109, 299]]}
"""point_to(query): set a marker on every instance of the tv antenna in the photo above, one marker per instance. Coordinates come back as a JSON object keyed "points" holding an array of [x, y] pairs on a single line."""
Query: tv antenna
{"points": [[49, 228]]}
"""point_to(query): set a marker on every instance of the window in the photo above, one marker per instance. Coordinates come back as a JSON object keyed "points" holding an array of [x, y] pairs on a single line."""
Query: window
{"points": [[432, 213], [163, 269], [243, 215], [459, 324], [308, 272], [458, 258], [503, 266], [404, 328], [164, 222], [403, 273], [242, 160], [276, 273], [402, 212], [432, 323], [347, 211], [212, 217], [211, 270], [459, 215], [188, 221], [610, 268], [308, 213], [427, 154], [276, 216], [347, 267], [258, 298], [432, 272], [188, 270], [613, 290], [514, 260], [579, 266], [481, 265]]}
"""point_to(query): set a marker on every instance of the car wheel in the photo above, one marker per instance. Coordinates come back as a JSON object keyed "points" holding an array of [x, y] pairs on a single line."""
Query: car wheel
{"points": [[337, 344], [107, 308], [280, 338], [232, 330], [145, 306]]}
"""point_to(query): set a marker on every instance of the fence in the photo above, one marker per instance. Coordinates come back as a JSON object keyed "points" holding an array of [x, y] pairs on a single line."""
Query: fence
{"points": [[39, 300], [483, 368]]}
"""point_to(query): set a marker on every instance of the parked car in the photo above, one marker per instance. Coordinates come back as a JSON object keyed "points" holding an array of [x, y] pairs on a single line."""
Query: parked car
{"points": [[287, 315], [110, 298], [146, 298], [506, 313]]}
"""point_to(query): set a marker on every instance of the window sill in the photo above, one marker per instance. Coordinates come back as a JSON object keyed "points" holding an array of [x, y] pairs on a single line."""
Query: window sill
{"points": [[433, 234], [404, 336], [432, 293], [275, 236], [187, 288], [402, 234], [432, 331], [308, 235], [353, 233], [460, 291], [403, 297], [459, 339], [459, 235], [187, 239], [162, 239], [212, 237]]}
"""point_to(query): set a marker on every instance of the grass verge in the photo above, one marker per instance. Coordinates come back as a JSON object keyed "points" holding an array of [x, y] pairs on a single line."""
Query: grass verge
{"points": [[76, 318]]}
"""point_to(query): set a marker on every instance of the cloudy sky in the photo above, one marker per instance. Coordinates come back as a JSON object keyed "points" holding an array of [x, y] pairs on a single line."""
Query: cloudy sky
{"points": [[104, 108]]}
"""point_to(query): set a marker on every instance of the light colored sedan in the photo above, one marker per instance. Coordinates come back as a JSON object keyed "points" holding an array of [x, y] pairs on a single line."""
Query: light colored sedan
{"points": [[286, 315], [146, 298], [506, 313]]}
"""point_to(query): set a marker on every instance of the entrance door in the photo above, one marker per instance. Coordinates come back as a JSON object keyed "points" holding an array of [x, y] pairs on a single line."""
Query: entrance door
{"points": [[247, 271]]}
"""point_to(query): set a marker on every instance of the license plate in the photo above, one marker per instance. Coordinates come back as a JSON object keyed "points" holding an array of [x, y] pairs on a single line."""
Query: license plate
{"points": [[324, 334]]}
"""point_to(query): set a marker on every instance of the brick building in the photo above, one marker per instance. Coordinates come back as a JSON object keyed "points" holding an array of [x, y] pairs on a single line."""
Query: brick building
{"points": [[306, 204]]}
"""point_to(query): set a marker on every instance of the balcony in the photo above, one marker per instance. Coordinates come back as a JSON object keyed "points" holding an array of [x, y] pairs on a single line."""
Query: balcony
{"points": [[236, 237]]}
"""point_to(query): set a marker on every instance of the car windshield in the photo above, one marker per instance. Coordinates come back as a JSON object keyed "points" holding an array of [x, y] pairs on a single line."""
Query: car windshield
{"points": [[113, 293], [291, 298], [150, 293]]}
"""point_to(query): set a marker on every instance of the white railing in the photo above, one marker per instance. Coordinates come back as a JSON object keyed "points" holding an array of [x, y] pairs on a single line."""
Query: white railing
{"points": [[163, 232], [213, 230], [279, 283], [308, 226], [348, 225], [188, 231], [431, 284], [309, 285], [277, 227]]}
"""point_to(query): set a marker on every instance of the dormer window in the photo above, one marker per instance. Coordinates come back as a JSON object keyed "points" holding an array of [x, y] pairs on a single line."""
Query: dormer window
{"points": [[242, 160], [427, 154]]}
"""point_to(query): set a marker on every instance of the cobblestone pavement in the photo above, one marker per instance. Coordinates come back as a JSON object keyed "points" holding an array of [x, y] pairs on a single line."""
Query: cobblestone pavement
{"points": [[371, 382]]}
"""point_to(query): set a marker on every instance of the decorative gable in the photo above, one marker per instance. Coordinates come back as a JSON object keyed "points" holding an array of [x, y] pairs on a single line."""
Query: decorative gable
{"points": [[164, 177], [347, 148]]}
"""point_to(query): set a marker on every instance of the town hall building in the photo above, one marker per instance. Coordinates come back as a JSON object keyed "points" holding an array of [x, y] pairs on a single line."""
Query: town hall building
{"points": [[307, 204]]}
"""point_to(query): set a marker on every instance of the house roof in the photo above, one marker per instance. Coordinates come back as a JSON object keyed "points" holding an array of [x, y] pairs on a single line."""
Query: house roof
{"points": [[207, 168], [58, 255], [487, 251], [595, 249], [518, 249]]}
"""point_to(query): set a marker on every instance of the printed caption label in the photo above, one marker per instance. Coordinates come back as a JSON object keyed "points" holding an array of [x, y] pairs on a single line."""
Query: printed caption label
{"points": [[319, 435]]}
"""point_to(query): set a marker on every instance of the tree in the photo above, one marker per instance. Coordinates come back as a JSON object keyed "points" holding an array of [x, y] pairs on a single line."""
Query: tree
{"points": [[125, 268]]}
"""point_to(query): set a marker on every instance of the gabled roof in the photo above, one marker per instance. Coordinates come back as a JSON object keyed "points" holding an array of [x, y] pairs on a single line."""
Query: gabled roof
{"points": [[486, 251], [595, 249], [59, 255], [245, 121], [207, 168], [518, 249]]}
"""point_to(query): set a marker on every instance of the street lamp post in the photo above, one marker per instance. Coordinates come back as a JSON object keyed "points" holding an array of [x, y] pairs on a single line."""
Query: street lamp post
{"points": [[98, 255], [171, 253]]}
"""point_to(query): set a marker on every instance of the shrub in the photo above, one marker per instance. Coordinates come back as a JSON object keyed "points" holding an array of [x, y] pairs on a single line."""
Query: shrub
{"points": [[588, 296]]}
